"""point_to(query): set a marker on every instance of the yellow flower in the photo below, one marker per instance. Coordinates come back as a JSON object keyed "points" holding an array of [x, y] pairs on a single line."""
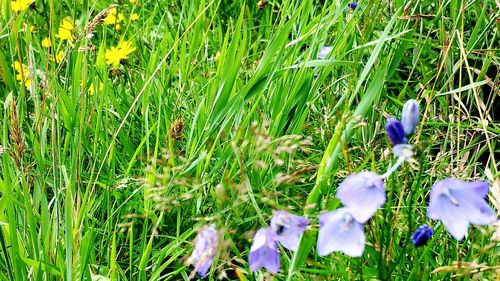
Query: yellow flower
{"points": [[20, 5], [133, 1], [126, 46], [115, 55], [66, 29], [114, 17], [46, 43], [92, 89], [118, 27], [60, 56], [134, 16], [22, 73]]}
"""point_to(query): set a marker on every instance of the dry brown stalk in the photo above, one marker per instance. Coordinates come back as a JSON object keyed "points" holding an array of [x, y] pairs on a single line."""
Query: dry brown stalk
{"points": [[16, 135]]}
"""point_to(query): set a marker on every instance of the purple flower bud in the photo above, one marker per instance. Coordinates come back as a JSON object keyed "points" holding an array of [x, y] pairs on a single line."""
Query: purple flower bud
{"points": [[339, 231], [288, 228], [206, 245], [264, 251], [422, 235], [409, 117], [324, 51], [459, 203], [352, 5], [363, 193], [395, 131]]}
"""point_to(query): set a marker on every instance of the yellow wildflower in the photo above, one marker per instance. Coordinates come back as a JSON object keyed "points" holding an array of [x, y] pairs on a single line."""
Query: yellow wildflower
{"points": [[114, 17], [66, 29], [46, 43], [115, 55], [134, 16], [92, 89], [20, 5], [118, 27], [133, 1], [60, 56], [23, 74], [126, 46]]}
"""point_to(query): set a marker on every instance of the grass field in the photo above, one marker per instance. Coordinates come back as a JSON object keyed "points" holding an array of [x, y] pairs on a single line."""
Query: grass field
{"points": [[127, 127]]}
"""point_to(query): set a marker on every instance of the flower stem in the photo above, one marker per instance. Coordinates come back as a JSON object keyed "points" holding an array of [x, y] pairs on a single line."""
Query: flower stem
{"points": [[394, 167]]}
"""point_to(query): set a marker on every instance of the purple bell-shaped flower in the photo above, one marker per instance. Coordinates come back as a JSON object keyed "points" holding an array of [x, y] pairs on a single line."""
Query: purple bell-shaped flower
{"points": [[363, 193], [288, 228], [264, 251], [459, 203], [395, 131], [409, 117], [422, 235], [339, 231], [206, 244]]}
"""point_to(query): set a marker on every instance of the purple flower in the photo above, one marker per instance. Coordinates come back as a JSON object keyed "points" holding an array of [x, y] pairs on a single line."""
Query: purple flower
{"points": [[363, 193], [395, 131], [422, 235], [339, 231], [206, 244], [288, 228], [409, 117], [324, 51], [352, 5], [264, 251], [459, 203]]}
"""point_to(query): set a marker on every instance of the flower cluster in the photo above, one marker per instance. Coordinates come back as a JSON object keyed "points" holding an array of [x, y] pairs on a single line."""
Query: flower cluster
{"points": [[23, 74], [69, 32], [398, 130], [286, 229], [455, 203], [342, 230]]}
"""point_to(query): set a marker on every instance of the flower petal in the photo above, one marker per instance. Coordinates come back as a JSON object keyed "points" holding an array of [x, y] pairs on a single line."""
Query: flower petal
{"points": [[474, 207], [203, 268], [409, 117], [205, 247], [422, 235], [340, 232], [273, 261], [481, 188], [453, 217], [288, 228], [363, 193], [352, 5], [395, 131], [264, 251], [324, 51]]}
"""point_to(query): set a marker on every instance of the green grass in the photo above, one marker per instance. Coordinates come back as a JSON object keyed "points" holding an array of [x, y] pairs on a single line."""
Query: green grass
{"points": [[218, 117]]}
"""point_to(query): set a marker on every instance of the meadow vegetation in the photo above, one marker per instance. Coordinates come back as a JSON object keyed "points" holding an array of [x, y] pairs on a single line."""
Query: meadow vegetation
{"points": [[128, 126]]}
